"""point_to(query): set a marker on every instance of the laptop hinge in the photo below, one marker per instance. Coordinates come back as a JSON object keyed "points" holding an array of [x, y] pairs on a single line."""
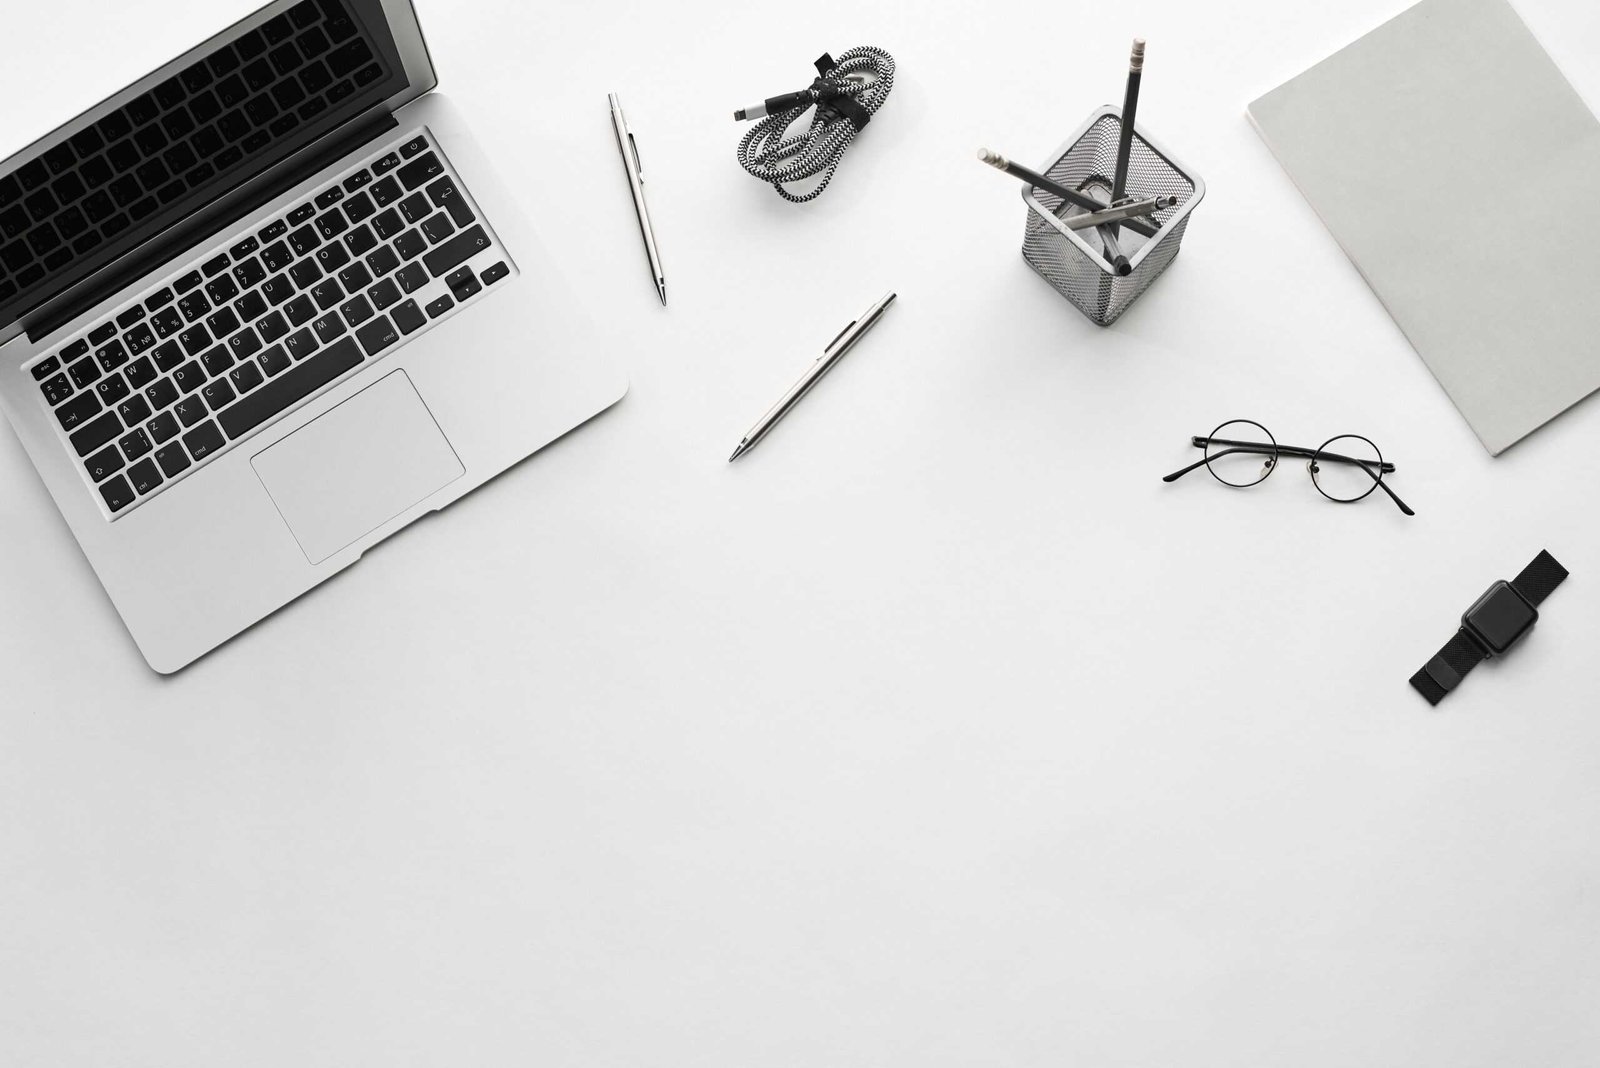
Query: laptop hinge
{"points": [[218, 218]]}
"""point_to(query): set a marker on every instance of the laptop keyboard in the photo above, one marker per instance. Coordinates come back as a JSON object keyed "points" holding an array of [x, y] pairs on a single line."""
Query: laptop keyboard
{"points": [[270, 317]]}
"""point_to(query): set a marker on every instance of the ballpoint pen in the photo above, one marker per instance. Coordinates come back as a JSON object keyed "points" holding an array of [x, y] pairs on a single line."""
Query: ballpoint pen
{"points": [[629, 147], [824, 363], [1071, 196]]}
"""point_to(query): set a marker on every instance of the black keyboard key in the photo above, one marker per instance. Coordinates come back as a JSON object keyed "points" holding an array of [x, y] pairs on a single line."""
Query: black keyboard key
{"points": [[359, 207], [190, 377], [411, 244], [273, 231], [412, 277], [413, 146], [356, 310], [245, 377], [456, 251], [194, 306], [173, 460], [408, 317], [355, 278], [305, 273], [111, 390], [300, 344], [78, 410], [444, 194], [204, 440], [250, 306], [56, 390], [386, 192], [190, 410], [97, 433], [134, 410], [215, 266], [300, 310], [329, 327], [187, 282], [140, 373], [243, 248], [244, 344], [331, 257], [463, 283], [103, 464], [301, 214], [111, 356], [293, 386], [139, 338], [129, 317], [272, 327], [223, 323], [166, 322], [102, 333], [331, 224], [382, 261], [329, 197], [437, 227], [116, 493], [360, 241], [161, 394], [144, 476], [249, 273], [277, 289], [158, 300], [384, 294], [439, 307], [223, 288], [387, 223], [216, 361], [377, 335], [491, 275], [357, 180], [386, 164], [415, 208], [134, 445], [162, 427], [194, 339], [420, 170], [277, 256], [45, 368], [304, 240], [327, 294], [167, 356], [218, 395], [274, 361]]}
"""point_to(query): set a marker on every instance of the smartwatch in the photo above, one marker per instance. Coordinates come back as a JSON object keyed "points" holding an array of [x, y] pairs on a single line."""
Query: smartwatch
{"points": [[1495, 622]]}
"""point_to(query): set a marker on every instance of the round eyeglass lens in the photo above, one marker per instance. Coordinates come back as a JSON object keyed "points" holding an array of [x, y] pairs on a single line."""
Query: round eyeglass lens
{"points": [[1347, 468], [1241, 453]]}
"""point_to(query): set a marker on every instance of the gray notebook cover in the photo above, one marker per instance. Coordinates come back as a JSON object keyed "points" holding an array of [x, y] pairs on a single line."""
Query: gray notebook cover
{"points": [[1398, 140]]}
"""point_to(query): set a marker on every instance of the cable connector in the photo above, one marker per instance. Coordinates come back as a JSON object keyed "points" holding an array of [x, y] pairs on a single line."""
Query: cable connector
{"points": [[774, 103]]}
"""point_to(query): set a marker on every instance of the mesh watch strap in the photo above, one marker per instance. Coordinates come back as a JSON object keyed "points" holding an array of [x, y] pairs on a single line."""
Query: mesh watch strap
{"points": [[1539, 578], [1448, 667]]}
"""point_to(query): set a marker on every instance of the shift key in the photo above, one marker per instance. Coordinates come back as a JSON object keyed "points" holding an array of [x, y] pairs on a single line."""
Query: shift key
{"points": [[456, 251], [289, 388]]}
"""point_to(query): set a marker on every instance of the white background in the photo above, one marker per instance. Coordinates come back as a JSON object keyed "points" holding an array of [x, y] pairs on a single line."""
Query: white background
{"points": [[937, 731]]}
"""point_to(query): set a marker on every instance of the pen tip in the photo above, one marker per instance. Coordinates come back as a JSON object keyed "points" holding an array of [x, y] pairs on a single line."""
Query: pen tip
{"points": [[661, 288], [736, 454]]}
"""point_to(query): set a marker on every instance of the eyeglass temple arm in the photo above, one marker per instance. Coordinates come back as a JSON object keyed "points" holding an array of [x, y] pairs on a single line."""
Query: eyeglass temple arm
{"points": [[1264, 450]]}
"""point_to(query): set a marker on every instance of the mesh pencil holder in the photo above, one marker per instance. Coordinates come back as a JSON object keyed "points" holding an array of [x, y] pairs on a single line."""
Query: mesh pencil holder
{"points": [[1072, 260]]}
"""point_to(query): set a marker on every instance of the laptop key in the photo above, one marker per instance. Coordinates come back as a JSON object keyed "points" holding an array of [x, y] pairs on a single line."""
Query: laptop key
{"points": [[439, 307], [329, 327], [161, 394], [223, 323], [249, 273], [111, 390], [419, 170], [413, 146], [359, 207], [223, 288], [331, 224], [360, 240], [145, 476], [194, 339], [274, 361], [412, 277], [272, 328], [383, 261], [215, 266], [304, 241], [301, 214], [116, 493], [355, 278], [245, 377], [216, 361], [134, 410], [463, 283], [93, 435], [204, 440], [300, 344], [187, 282], [437, 227], [193, 306], [444, 194], [77, 410], [377, 335], [250, 306], [244, 344], [277, 256], [173, 460], [102, 333], [411, 244], [189, 377], [190, 410], [290, 387], [408, 317], [456, 251], [328, 197], [56, 390], [415, 208], [162, 427], [166, 322], [384, 294], [111, 356], [300, 310], [491, 275], [274, 230], [103, 464], [386, 164], [356, 310], [45, 368], [386, 192], [135, 445], [277, 289], [140, 372]]}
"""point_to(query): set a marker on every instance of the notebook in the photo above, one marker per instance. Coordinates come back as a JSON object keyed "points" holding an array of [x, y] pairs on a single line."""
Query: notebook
{"points": [[1398, 141]]}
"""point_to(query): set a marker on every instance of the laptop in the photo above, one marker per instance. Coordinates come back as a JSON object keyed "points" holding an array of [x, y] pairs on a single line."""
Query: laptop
{"points": [[268, 306]]}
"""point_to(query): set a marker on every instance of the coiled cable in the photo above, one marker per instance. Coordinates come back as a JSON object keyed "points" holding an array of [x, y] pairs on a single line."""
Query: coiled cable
{"points": [[846, 94]]}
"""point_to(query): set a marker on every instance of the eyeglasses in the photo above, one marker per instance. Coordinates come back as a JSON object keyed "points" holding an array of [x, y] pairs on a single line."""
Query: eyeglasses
{"points": [[1344, 469]]}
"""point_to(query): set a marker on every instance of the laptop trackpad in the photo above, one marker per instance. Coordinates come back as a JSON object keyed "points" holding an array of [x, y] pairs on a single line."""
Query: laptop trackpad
{"points": [[349, 471]]}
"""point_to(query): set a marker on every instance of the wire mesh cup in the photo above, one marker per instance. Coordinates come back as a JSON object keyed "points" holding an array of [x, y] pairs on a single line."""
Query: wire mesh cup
{"points": [[1073, 260]]}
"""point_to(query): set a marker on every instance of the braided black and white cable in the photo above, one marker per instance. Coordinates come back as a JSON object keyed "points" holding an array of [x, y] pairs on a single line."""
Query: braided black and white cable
{"points": [[846, 94]]}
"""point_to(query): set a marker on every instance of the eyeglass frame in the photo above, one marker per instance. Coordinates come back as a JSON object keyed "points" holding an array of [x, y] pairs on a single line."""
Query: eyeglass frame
{"points": [[1276, 450]]}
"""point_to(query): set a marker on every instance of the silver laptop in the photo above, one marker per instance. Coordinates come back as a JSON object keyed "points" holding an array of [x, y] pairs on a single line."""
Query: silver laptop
{"points": [[268, 306]]}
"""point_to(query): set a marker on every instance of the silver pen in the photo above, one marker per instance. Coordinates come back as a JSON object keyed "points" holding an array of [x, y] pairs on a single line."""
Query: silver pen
{"points": [[630, 163], [824, 363]]}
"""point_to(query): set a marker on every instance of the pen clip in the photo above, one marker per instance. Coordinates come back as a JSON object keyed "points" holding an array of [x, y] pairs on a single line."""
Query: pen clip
{"points": [[842, 333], [638, 164]]}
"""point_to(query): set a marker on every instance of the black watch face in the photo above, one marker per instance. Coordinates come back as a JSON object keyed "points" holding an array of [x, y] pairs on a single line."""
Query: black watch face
{"points": [[1500, 617]]}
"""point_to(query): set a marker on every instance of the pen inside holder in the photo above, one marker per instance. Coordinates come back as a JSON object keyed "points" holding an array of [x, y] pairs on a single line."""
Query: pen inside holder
{"points": [[1074, 261]]}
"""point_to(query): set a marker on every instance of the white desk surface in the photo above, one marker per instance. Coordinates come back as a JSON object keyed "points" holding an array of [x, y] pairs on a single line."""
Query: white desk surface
{"points": [[938, 731]]}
